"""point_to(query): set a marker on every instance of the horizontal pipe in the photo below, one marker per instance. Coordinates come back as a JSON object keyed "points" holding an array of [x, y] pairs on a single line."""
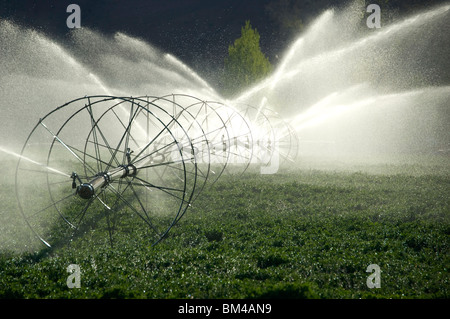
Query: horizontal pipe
{"points": [[87, 190]]}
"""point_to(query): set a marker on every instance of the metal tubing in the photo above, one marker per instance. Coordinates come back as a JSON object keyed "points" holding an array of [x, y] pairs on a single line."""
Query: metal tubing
{"points": [[87, 190]]}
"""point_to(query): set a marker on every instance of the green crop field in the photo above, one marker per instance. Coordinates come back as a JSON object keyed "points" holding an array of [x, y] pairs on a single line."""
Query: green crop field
{"points": [[308, 232]]}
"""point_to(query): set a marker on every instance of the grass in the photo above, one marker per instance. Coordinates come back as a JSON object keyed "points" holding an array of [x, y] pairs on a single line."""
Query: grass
{"points": [[303, 233]]}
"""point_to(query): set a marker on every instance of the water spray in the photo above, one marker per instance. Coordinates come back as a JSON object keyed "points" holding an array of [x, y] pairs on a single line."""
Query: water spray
{"points": [[103, 159], [149, 155]]}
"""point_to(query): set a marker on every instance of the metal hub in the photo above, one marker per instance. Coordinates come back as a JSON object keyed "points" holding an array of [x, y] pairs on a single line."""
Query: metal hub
{"points": [[87, 190]]}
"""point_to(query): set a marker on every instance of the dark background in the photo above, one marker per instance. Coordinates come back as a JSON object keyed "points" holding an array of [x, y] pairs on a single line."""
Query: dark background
{"points": [[196, 31]]}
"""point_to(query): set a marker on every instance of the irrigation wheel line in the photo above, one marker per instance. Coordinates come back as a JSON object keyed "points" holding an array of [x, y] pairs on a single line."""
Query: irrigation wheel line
{"points": [[215, 133], [175, 141], [284, 138], [196, 133], [97, 163], [263, 134], [241, 138]]}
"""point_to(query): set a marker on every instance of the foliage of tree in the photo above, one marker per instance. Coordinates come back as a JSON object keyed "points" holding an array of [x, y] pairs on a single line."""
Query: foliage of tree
{"points": [[245, 63]]}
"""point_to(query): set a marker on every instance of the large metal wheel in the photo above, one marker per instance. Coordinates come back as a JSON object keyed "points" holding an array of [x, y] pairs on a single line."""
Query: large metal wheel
{"points": [[182, 108], [212, 152], [276, 140], [237, 147], [105, 163]]}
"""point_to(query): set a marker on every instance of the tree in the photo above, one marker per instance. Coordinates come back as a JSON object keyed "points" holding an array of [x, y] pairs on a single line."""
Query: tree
{"points": [[245, 63]]}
